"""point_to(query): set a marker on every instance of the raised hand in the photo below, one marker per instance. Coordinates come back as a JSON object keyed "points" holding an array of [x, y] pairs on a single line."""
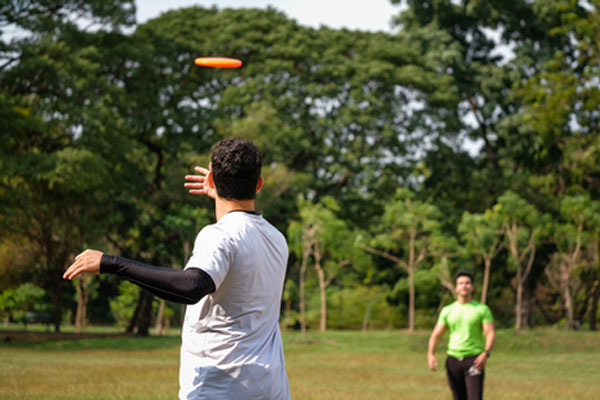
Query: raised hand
{"points": [[201, 184]]}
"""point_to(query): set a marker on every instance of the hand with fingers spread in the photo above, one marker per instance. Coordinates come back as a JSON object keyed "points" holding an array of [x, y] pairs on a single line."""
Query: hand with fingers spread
{"points": [[201, 184], [86, 262]]}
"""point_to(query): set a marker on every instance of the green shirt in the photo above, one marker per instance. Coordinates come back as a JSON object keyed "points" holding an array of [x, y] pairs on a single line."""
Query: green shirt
{"points": [[465, 324]]}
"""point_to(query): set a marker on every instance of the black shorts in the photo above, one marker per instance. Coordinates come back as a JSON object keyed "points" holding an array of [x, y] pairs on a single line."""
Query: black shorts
{"points": [[465, 381]]}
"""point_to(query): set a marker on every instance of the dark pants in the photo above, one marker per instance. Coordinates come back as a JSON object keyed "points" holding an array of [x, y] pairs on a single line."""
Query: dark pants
{"points": [[465, 381]]}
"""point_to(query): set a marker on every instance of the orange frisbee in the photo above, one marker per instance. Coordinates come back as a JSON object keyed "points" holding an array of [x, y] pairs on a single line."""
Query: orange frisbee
{"points": [[218, 62]]}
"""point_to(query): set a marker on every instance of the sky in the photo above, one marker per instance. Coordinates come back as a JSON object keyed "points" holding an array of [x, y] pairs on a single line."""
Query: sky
{"points": [[366, 15]]}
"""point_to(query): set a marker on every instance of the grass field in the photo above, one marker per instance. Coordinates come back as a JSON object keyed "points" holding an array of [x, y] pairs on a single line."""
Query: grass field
{"points": [[538, 364]]}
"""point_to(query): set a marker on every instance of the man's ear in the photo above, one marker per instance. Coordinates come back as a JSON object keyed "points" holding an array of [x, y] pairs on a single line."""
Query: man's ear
{"points": [[259, 184]]}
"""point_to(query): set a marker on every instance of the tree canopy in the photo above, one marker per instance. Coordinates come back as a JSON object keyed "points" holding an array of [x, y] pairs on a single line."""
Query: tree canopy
{"points": [[467, 140]]}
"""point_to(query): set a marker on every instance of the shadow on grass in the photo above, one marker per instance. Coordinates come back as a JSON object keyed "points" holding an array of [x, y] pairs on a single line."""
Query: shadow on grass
{"points": [[84, 341]]}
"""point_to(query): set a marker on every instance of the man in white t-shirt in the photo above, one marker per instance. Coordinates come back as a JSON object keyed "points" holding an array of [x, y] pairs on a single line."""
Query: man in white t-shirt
{"points": [[231, 343]]}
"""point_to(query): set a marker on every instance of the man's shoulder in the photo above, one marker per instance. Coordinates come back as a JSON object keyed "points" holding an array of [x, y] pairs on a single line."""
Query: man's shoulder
{"points": [[477, 304], [276, 236], [212, 234], [449, 307], [482, 309], [212, 229], [240, 226], [273, 229]]}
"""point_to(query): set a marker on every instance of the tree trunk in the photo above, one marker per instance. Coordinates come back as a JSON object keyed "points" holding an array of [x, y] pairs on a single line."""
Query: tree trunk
{"points": [[55, 285], [411, 281], [565, 283], [305, 254], [158, 326], [56, 257], [512, 240], [519, 303], [288, 309], [522, 304], [569, 307], [56, 309], [365, 323], [486, 279], [322, 294], [136, 315], [411, 299], [526, 322], [143, 327], [83, 296], [522, 308], [596, 290], [512, 234]]}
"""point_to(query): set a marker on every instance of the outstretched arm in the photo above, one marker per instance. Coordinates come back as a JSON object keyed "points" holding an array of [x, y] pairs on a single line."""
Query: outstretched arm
{"points": [[437, 333], [187, 286]]}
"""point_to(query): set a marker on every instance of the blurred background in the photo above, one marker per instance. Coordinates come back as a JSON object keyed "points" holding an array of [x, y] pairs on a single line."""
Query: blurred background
{"points": [[403, 141]]}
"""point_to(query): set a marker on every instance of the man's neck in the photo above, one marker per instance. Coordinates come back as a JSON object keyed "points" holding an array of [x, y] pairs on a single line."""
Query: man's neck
{"points": [[464, 299], [223, 206]]}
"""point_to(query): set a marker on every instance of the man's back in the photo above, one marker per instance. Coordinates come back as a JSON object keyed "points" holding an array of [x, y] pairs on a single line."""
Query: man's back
{"points": [[231, 341]]}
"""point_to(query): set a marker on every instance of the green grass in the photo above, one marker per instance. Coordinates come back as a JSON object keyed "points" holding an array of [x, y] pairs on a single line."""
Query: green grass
{"points": [[538, 364]]}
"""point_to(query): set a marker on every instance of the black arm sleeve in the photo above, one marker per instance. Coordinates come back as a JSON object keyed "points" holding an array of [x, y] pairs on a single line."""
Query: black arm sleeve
{"points": [[187, 286]]}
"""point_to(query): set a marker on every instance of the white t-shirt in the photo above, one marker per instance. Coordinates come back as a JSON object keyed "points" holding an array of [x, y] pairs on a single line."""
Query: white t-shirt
{"points": [[231, 343]]}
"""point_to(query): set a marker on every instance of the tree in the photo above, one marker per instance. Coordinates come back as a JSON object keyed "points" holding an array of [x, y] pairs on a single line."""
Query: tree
{"points": [[16, 303], [594, 259], [482, 236], [572, 238], [559, 105], [55, 100], [327, 107], [325, 238], [560, 102], [523, 227], [404, 236], [84, 286]]}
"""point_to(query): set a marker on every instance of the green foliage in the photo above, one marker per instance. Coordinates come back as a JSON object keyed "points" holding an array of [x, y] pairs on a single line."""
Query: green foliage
{"points": [[99, 127], [362, 307], [480, 232], [404, 218], [522, 218], [428, 293], [290, 292], [15, 303], [123, 306]]}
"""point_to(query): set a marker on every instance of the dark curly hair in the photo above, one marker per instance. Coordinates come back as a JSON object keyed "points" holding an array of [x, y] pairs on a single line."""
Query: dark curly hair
{"points": [[236, 165]]}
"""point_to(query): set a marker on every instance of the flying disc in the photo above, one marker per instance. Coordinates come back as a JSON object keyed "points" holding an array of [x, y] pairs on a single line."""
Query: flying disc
{"points": [[218, 62]]}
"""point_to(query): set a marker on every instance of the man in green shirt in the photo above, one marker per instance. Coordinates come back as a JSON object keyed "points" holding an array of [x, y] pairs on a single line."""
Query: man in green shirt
{"points": [[472, 337]]}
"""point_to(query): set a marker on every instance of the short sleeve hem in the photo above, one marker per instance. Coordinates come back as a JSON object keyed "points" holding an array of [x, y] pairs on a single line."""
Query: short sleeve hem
{"points": [[212, 254]]}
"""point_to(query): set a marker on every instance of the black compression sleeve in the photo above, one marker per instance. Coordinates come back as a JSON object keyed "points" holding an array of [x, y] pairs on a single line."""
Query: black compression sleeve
{"points": [[187, 286]]}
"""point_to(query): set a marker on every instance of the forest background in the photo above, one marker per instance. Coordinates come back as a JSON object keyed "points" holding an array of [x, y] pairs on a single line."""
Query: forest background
{"points": [[369, 165]]}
